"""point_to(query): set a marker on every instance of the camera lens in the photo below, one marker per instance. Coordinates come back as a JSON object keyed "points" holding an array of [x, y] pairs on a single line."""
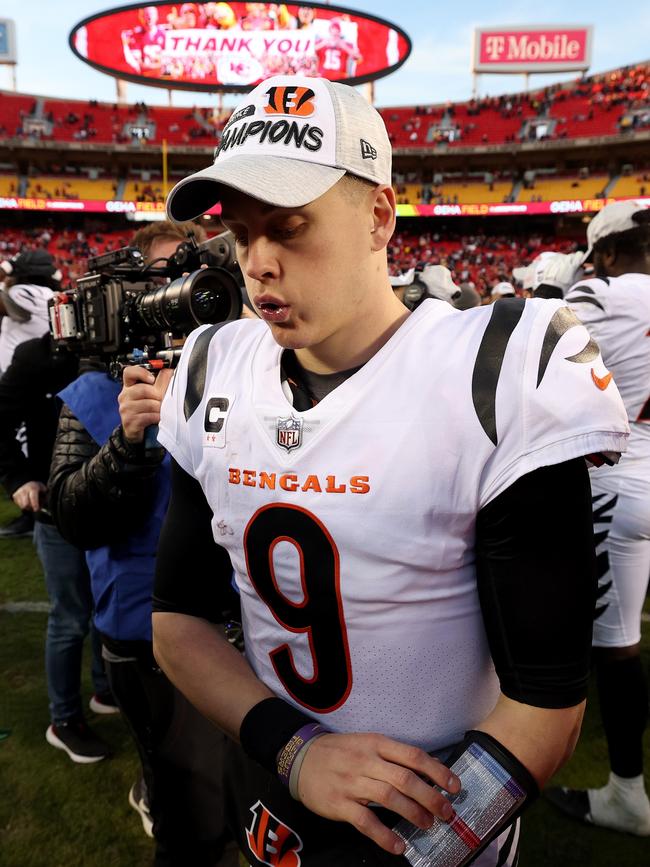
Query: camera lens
{"points": [[209, 295]]}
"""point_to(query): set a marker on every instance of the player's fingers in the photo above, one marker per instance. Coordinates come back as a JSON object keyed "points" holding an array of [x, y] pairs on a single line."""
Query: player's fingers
{"points": [[410, 785], [365, 821], [33, 499], [418, 760], [386, 795]]}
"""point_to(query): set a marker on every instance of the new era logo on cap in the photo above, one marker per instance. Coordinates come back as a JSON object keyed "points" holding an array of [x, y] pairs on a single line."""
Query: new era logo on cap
{"points": [[368, 152]]}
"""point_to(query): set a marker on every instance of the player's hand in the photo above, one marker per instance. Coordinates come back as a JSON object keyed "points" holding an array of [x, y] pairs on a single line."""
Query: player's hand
{"points": [[28, 496], [140, 400], [342, 774]]}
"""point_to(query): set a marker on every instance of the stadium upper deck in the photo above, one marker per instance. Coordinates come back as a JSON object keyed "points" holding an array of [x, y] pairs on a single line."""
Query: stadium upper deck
{"points": [[609, 104]]}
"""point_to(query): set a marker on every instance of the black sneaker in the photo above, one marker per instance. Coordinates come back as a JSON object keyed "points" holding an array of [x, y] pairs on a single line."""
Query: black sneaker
{"points": [[19, 528], [572, 802], [78, 741], [104, 703], [139, 800]]}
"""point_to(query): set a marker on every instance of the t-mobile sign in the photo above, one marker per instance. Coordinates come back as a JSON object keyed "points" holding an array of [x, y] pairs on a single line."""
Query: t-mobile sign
{"points": [[544, 48]]}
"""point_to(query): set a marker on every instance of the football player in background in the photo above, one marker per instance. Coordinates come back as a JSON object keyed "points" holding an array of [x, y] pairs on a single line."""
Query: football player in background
{"points": [[386, 511], [143, 45], [336, 55], [615, 307]]}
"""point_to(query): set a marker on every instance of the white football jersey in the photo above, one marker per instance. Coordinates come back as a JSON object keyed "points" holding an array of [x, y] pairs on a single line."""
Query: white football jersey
{"points": [[351, 526], [616, 311]]}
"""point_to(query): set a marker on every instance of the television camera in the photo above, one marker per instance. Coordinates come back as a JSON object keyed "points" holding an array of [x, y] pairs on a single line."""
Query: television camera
{"points": [[125, 311]]}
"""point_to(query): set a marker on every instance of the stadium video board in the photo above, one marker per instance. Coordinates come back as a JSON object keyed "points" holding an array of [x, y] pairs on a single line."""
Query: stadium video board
{"points": [[233, 46], [539, 48]]}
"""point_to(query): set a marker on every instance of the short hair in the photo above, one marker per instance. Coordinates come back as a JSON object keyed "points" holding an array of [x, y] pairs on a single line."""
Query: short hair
{"points": [[354, 188], [145, 237]]}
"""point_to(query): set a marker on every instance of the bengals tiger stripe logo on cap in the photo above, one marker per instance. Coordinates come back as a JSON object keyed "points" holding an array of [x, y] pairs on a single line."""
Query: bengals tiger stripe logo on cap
{"points": [[295, 101]]}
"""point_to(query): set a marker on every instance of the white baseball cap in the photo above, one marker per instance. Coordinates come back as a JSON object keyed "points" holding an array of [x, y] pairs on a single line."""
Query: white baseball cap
{"points": [[503, 288], [612, 219], [530, 276], [287, 143], [439, 282], [405, 279]]}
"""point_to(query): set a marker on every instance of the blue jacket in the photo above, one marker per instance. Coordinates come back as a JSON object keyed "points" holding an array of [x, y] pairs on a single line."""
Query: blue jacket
{"points": [[121, 574]]}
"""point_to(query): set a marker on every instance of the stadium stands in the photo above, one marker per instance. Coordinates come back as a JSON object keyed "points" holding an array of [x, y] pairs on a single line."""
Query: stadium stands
{"points": [[636, 185], [482, 259], [8, 185], [54, 187], [561, 187], [454, 192], [592, 106], [140, 191]]}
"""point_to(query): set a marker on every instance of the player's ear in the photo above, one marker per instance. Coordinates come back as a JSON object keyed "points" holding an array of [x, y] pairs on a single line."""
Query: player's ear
{"points": [[608, 258], [384, 214]]}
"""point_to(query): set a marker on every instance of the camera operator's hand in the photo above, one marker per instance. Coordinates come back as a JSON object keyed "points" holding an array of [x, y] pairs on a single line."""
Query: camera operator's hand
{"points": [[140, 400], [28, 496]]}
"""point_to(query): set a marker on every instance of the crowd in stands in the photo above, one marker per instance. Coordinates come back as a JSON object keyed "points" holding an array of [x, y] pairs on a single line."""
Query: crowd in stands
{"points": [[71, 248], [606, 104], [483, 260], [596, 105]]}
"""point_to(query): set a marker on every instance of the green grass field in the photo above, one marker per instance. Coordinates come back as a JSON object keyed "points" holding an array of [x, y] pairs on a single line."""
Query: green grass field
{"points": [[54, 813]]}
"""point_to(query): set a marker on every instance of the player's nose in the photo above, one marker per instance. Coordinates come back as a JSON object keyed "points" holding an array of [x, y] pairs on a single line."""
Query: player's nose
{"points": [[261, 260]]}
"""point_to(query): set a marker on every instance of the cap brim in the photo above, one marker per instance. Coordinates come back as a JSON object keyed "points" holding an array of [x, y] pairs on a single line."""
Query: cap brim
{"points": [[278, 181]]}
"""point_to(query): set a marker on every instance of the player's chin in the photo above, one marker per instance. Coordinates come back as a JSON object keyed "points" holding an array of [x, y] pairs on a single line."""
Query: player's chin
{"points": [[290, 335]]}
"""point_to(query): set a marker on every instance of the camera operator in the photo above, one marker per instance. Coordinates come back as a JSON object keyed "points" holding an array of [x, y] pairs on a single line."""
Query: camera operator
{"points": [[109, 493], [27, 390]]}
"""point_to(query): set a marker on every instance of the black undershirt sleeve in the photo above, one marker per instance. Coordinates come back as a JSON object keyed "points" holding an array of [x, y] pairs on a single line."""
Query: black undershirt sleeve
{"points": [[536, 575], [193, 573]]}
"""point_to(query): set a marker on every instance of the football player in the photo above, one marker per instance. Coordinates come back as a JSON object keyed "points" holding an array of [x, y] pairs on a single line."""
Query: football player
{"points": [[615, 307], [336, 55], [143, 45], [385, 484]]}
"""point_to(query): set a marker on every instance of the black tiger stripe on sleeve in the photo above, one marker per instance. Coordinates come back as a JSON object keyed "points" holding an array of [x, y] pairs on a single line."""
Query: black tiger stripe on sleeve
{"points": [[196, 369], [489, 360], [563, 319]]}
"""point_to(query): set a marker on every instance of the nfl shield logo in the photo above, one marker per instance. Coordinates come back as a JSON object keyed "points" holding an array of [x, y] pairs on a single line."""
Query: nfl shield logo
{"points": [[289, 432]]}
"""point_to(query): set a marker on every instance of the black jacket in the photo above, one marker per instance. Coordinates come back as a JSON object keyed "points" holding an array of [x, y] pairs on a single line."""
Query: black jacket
{"points": [[28, 391], [99, 496]]}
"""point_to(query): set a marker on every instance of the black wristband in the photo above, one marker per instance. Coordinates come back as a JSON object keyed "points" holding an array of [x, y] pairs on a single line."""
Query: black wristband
{"points": [[267, 728]]}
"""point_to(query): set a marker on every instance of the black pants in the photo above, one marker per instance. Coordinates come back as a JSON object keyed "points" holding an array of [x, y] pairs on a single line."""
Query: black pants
{"points": [[182, 759]]}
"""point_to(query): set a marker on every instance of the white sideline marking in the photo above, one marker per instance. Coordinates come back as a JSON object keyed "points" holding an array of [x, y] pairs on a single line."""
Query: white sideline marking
{"points": [[25, 607]]}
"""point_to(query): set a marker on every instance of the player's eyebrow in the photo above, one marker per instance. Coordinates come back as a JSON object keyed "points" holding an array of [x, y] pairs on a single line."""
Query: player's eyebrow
{"points": [[265, 210]]}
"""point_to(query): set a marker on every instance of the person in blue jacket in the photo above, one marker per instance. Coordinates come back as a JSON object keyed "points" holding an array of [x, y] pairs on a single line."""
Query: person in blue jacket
{"points": [[109, 492]]}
